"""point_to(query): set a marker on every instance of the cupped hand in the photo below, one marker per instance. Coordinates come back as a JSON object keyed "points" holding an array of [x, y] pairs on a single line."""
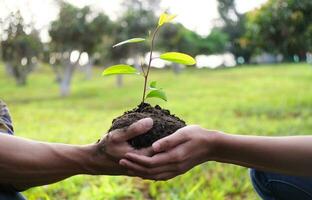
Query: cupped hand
{"points": [[174, 154], [115, 144]]}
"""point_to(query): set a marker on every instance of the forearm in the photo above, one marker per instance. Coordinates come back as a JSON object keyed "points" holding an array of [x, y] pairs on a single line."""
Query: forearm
{"points": [[26, 163], [291, 155]]}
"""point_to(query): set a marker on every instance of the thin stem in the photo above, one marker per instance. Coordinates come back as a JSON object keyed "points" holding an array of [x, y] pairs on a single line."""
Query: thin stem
{"points": [[149, 63], [144, 89], [142, 68]]}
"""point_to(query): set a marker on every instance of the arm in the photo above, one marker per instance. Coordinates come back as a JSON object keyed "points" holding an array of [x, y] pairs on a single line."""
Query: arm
{"points": [[290, 155], [26, 163], [193, 145]]}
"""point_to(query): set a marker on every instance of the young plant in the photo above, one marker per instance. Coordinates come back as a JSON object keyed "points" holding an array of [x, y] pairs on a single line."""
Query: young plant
{"points": [[175, 57]]}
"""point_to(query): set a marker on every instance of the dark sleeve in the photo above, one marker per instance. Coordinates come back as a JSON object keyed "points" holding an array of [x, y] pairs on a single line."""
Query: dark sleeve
{"points": [[7, 128], [5, 119]]}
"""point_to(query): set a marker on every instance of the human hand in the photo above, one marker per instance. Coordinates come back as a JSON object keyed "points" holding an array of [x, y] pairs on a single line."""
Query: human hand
{"points": [[113, 146], [174, 154]]}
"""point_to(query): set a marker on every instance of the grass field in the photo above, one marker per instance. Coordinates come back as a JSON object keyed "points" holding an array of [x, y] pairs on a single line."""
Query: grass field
{"points": [[266, 100]]}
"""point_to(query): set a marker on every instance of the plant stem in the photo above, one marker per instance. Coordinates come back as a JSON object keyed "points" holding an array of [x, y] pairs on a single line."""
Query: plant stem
{"points": [[149, 63]]}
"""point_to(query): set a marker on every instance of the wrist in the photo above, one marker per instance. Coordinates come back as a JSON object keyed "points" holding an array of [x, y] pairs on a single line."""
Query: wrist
{"points": [[97, 162], [214, 141]]}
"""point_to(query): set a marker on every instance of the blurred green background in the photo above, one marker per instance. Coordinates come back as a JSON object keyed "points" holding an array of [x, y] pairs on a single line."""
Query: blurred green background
{"points": [[253, 76]]}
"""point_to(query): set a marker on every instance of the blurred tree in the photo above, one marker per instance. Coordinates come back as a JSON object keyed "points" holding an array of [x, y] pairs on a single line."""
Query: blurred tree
{"points": [[74, 32], [235, 27], [137, 19], [179, 38], [20, 50], [282, 26], [216, 42], [308, 36]]}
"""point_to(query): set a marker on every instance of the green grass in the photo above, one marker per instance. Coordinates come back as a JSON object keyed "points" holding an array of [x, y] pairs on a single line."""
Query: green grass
{"points": [[267, 100]]}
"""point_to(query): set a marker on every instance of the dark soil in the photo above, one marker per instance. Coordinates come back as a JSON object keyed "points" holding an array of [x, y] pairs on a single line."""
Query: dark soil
{"points": [[164, 124]]}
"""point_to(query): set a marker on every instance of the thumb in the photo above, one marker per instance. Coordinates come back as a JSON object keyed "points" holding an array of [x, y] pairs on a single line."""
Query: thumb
{"points": [[135, 129], [169, 142]]}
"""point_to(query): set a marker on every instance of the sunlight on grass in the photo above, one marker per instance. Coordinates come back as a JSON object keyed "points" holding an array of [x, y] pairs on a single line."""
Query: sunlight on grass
{"points": [[269, 100]]}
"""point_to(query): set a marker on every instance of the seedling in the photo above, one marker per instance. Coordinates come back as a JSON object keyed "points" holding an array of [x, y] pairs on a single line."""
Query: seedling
{"points": [[164, 122], [176, 57]]}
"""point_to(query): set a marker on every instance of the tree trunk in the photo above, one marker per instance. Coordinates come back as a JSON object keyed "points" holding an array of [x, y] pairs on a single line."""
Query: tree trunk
{"points": [[176, 68], [8, 68], [136, 62], [67, 77], [20, 74], [58, 76], [119, 81], [66, 80], [88, 69]]}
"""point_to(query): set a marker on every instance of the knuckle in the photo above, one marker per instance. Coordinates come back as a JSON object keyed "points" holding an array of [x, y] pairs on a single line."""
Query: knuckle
{"points": [[151, 163], [154, 171], [186, 135], [179, 167], [179, 156], [114, 137], [108, 136], [137, 127], [172, 157], [166, 143], [182, 168], [148, 172]]}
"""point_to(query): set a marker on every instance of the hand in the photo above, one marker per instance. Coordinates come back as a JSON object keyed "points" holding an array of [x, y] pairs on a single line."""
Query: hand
{"points": [[174, 154], [114, 146]]}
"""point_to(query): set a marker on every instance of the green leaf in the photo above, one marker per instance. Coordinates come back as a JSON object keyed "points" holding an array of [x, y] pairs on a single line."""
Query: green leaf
{"points": [[153, 85], [157, 94], [178, 58], [165, 18], [133, 40], [119, 69]]}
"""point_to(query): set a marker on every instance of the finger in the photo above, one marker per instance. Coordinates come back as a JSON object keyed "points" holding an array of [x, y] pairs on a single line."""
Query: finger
{"points": [[145, 170], [146, 151], [160, 177], [133, 167], [169, 142], [165, 176], [135, 129], [154, 161]]}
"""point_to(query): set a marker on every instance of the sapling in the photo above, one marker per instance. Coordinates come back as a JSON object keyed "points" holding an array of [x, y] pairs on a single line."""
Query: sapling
{"points": [[164, 123]]}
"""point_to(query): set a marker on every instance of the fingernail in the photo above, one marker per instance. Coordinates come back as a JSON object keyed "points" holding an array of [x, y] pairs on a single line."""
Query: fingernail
{"points": [[127, 155], [122, 163], [148, 122]]}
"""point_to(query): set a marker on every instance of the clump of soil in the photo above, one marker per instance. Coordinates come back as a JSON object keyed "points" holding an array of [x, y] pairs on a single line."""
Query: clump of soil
{"points": [[164, 124]]}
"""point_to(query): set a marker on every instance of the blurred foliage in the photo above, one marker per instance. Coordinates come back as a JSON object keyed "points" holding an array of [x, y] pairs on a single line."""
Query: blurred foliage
{"points": [[234, 25], [179, 38], [271, 100], [19, 50], [82, 32], [78, 29], [281, 27], [137, 20], [278, 27]]}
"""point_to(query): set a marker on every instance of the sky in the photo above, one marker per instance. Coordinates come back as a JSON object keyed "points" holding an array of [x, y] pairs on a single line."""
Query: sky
{"points": [[197, 15]]}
